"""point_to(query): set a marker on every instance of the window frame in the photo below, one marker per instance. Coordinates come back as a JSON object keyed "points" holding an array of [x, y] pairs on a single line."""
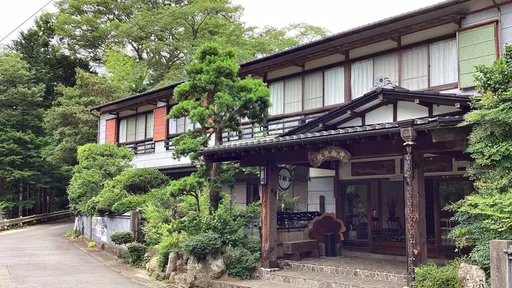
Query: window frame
{"points": [[169, 135], [146, 138]]}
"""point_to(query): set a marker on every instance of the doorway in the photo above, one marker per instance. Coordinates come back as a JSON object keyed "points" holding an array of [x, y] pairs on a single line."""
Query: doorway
{"points": [[356, 198]]}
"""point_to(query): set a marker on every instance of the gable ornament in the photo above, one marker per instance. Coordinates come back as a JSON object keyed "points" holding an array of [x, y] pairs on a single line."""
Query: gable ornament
{"points": [[330, 153]]}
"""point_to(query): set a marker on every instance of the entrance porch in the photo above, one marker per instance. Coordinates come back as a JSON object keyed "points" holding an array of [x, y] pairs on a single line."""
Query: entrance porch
{"points": [[390, 179]]}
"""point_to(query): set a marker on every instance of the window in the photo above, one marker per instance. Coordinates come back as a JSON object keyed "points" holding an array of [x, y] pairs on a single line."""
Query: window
{"points": [[361, 77], [443, 62], [276, 97], [334, 85], [477, 46], [293, 95], [181, 125], [386, 66], [415, 68], [136, 128], [313, 91]]}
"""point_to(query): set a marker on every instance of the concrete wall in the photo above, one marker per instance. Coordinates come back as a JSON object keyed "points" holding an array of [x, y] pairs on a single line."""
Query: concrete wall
{"points": [[100, 228]]}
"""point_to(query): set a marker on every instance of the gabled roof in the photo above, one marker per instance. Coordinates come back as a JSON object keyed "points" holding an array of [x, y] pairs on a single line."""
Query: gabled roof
{"points": [[378, 97]]}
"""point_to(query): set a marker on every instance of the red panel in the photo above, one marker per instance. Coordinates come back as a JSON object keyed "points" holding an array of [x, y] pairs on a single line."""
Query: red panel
{"points": [[111, 131], [160, 122]]}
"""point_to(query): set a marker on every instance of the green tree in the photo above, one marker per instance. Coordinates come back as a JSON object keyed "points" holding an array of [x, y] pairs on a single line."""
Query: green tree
{"points": [[487, 213], [20, 130], [69, 122], [97, 163], [217, 99], [48, 64]]}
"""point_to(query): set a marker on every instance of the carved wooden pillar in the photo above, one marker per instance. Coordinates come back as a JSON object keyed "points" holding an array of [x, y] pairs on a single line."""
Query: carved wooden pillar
{"points": [[414, 193], [268, 192]]}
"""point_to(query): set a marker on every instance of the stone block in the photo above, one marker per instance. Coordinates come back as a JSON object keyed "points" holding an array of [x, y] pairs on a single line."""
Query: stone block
{"points": [[300, 246], [500, 264]]}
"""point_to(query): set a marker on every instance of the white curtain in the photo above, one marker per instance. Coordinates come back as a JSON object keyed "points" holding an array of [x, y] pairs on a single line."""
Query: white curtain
{"points": [[180, 125], [443, 62], [361, 78], [293, 95], [386, 66], [313, 89], [276, 97], [130, 129], [141, 127], [149, 125], [122, 131], [334, 85], [415, 68]]}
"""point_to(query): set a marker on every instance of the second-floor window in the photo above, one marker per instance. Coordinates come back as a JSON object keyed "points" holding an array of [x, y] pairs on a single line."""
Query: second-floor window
{"points": [[136, 128], [181, 125]]}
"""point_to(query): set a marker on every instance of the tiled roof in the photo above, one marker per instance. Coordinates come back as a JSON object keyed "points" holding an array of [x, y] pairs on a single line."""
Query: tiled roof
{"points": [[450, 120]]}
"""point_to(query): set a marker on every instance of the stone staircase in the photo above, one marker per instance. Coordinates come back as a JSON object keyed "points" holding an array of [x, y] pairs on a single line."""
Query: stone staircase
{"points": [[336, 272]]}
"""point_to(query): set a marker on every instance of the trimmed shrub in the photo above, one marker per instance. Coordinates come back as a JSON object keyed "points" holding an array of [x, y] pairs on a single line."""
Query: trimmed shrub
{"points": [[121, 237], [129, 204], [431, 276], [91, 244], [240, 263], [137, 252], [140, 181], [203, 245]]}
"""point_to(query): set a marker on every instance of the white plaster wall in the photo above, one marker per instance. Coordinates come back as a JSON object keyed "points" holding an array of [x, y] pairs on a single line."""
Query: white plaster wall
{"points": [[324, 61], [318, 187], [383, 114], [103, 127], [353, 122], [372, 48], [429, 33], [506, 25], [283, 72], [316, 172], [161, 158], [480, 17], [409, 110], [442, 109], [239, 193]]}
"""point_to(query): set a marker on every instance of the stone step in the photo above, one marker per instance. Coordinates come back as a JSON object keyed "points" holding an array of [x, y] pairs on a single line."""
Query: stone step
{"points": [[373, 269], [310, 279], [247, 284]]}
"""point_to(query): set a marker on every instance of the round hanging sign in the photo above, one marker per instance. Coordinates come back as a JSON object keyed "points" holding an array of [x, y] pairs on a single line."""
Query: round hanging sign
{"points": [[284, 179]]}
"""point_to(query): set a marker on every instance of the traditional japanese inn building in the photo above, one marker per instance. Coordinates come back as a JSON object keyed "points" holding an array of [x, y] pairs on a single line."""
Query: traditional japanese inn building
{"points": [[364, 124]]}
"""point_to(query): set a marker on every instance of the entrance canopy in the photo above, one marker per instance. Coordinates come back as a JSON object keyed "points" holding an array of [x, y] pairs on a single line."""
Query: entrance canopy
{"points": [[368, 126]]}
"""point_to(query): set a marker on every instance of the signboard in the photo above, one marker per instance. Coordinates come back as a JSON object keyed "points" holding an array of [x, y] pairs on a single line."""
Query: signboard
{"points": [[330, 153], [284, 179]]}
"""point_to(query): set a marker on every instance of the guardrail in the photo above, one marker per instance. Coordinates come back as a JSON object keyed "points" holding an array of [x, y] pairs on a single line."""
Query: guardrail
{"points": [[17, 222]]}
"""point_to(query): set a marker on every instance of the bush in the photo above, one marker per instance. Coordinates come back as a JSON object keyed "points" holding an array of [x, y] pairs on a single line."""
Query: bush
{"points": [[140, 181], [240, 263], [121, 237], [431, 276], [129, 204], [137, 252], [203, 245], [168, 245], [91, 244], [253, 245]]}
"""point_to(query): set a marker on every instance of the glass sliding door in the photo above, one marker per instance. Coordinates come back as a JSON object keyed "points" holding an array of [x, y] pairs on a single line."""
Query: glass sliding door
{"points": [[356, 198]]}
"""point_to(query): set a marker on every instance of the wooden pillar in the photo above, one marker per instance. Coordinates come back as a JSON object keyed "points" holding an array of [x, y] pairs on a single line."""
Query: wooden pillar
{"points": [[415, 212], [268, 192]]}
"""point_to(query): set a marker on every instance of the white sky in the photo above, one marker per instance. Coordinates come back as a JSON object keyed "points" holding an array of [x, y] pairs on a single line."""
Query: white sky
{"points": [[335, 15]]}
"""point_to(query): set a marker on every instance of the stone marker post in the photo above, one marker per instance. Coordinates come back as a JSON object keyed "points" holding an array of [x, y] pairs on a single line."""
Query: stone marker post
{"points": [[500, 263]]}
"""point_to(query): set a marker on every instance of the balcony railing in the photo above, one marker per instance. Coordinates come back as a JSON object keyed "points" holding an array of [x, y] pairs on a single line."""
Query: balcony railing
{"points": [[277, 127], [142, 147]]}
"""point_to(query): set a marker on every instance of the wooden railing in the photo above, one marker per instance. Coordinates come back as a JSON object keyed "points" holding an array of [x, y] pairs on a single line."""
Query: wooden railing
{"points": [[39, 218], [142, 148]]}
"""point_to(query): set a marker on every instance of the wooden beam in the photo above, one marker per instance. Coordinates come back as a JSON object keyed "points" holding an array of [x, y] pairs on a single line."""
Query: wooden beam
{"points": [[415, 212], [422, 103], [268, 192]]}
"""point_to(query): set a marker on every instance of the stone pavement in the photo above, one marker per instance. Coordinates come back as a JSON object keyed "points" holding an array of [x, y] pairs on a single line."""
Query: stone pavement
{"points": [[40, 257]]}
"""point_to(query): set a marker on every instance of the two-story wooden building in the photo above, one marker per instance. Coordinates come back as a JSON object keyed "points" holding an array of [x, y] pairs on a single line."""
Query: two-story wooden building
{"points": [[324, 94]]}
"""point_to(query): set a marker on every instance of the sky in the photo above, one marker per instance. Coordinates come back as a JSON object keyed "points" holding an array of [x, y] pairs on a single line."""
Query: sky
{"points": [[335, 15]]}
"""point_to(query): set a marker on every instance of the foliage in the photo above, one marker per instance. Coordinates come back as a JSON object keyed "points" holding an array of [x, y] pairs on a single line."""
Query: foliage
{"points": [[91, 244], [140, 181], [253, 245], [285, 203], [168, 245], [97, 163], [188, 186], [69, 123], [203, 245], [153, 40], [240, 263], [217, 99], [105, 200], [486, 214], [121, 237], [431, 276], [128, 204], [160, 210], [137, 252]]}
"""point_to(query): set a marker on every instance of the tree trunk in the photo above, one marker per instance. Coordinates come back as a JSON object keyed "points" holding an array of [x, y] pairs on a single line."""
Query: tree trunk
{"points": [[215, 189], [20, 207]]}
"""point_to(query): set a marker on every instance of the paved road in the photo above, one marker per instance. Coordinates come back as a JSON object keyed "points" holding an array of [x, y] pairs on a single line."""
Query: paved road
{"points": [[40, 257]]}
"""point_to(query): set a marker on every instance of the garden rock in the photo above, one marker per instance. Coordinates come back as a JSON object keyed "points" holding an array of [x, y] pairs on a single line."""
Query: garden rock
{"points": [[472, 276], [181, 267], [152, 265], [185, 280], [172, 264], [216, 266]]}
